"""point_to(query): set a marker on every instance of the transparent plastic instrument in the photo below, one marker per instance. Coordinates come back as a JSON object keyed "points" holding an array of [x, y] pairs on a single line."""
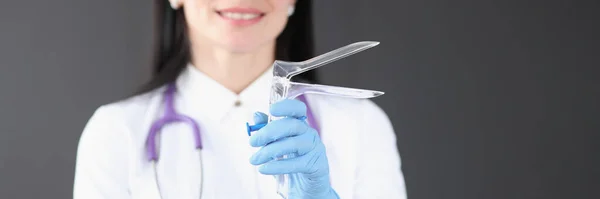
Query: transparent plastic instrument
{"points": [[283, 88]]}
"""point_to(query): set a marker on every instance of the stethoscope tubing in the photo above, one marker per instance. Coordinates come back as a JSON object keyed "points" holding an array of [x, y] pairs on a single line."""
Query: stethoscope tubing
{"points": [[157, 180]]}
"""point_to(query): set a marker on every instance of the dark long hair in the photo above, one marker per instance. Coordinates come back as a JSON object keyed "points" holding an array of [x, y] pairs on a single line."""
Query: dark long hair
{"points": [[172, 47]]}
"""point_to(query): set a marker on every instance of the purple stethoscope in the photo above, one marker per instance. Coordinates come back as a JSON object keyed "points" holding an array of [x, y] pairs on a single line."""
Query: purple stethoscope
{"points": [[172, 116]]}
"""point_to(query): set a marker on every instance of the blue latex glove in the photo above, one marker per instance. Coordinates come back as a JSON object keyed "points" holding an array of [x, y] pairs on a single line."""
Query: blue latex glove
{"points": [[308, 167]]}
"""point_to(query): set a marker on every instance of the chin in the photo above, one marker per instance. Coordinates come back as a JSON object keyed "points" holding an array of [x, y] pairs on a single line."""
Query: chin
{"points": [[244, 44]]}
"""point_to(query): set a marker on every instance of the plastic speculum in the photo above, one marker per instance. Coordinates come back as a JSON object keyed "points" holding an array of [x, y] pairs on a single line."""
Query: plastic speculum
{"points": [[283, 88]]}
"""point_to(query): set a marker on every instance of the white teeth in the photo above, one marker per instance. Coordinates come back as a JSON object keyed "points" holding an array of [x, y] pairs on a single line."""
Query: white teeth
{"points": [[248, 16], [239, 16]]}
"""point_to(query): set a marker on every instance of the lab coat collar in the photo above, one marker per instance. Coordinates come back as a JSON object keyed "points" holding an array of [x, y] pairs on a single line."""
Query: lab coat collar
{"points": [[213, 100], [256, 95]]}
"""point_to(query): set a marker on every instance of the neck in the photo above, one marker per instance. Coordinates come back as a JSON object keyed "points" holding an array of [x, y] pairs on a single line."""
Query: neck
{"points": [[235, 71]]}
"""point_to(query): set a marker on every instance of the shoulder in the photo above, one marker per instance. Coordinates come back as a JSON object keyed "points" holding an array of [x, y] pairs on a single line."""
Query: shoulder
{"points": [[362, 119], [107, 143], [135, 103], [357, 108], [122, 115], [350, 116]]}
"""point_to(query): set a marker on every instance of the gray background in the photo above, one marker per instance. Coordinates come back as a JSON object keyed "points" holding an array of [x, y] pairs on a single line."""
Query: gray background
{"points": [[490, 98]]}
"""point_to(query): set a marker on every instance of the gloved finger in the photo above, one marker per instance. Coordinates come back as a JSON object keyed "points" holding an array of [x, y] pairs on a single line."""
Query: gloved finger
{"points": [[278, 129], [260, 118], [298, 145], [309, 163], [289, 108]]}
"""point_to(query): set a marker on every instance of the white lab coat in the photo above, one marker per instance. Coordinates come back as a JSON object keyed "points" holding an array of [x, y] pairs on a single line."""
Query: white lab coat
{"points": [[112, 160]]}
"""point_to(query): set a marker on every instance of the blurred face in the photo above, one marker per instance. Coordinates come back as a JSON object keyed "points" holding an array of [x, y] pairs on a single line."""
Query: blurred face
{"points": [[236, 25]]}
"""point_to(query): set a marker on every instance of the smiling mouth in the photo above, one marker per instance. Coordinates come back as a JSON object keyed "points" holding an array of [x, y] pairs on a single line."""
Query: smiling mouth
{"points": [[240, 15]]}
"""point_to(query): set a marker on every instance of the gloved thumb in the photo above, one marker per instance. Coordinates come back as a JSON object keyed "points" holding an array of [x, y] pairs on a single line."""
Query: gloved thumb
{"points": [[260, 118]]}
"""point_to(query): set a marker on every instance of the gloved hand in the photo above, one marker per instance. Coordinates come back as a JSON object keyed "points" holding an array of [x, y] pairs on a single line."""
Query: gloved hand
{"points": [[308, 167]]}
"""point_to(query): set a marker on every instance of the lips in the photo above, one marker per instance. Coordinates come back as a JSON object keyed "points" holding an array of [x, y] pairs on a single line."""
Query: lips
{"points": [[241, 16]]}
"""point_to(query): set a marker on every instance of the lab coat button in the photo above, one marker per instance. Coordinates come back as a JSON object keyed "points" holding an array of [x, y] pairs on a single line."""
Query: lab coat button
{"points": [[237, 103]]}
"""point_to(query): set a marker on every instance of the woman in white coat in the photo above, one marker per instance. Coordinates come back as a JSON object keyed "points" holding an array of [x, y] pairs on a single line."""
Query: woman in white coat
{"points": [[215, 58]]}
